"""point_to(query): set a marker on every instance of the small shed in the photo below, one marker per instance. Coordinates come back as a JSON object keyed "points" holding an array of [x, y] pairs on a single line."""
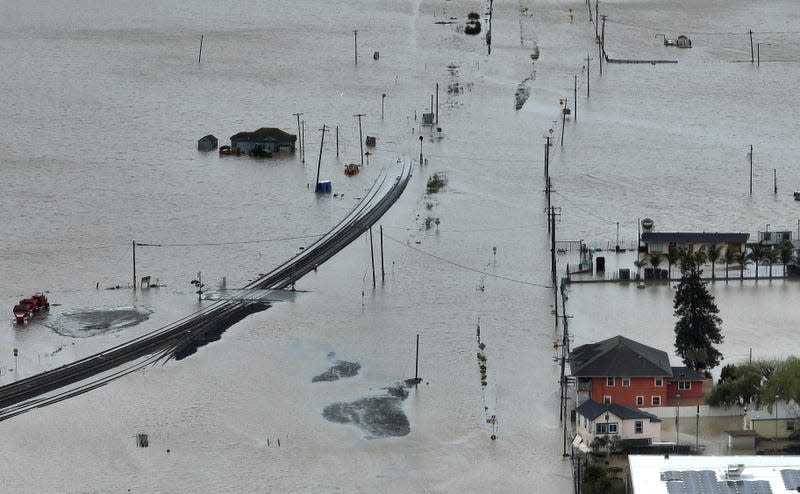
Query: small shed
{"points": [[683, 42], [371, 141], [207, 143], [427, 118], [741, 439], [324, 187]]}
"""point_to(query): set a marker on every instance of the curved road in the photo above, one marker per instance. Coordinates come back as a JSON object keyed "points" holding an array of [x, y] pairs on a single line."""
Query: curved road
{"points": [[26, 394]]}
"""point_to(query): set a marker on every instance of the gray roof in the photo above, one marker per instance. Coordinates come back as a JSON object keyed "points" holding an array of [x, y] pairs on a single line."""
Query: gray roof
{"points": [[686, 374], [619, 356], [704, 237], [591, 410], [265, 134]]}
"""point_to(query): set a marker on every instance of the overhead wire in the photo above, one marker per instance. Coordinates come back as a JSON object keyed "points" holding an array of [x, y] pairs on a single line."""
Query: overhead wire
{"points": [[467, 268]]}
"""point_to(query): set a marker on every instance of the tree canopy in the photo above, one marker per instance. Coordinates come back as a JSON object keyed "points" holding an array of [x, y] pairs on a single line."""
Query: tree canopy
{"points": [[737, 386], [698, 327]]}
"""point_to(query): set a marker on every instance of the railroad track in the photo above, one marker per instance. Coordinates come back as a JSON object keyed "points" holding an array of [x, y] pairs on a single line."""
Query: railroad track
{"points": [[161, 344]]}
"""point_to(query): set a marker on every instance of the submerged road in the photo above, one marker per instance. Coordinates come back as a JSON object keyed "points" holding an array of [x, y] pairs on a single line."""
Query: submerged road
{"points": [[37, 391]]}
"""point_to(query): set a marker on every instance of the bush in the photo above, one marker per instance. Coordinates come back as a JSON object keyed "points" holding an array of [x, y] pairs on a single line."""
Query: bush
{"points": [[472, 28]]}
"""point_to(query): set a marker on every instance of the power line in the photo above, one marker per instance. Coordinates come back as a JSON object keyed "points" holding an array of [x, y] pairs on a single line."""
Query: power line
{"points": [[467, 268], [142, 244]]}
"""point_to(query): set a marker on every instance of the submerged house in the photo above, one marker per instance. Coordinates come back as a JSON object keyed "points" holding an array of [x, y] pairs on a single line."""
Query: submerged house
{"points": [[266, 139], [683, 42], [207, 143]]}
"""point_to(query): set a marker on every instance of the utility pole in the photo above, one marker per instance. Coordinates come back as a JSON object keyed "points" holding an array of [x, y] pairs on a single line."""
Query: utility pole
{"points": [[751, 169], [587, 75], [596, 16], [372, 256], [355, 46], [319, 162], [553, 261], [751, 47], [303, 148], [337, 141], [603, 35], [383, 272], [201, 49], [133, 242], [547, 157], [775, 179], [489, 30], [563, 120], [575, 98], [299, 136], [436, 115], [360, 137]]}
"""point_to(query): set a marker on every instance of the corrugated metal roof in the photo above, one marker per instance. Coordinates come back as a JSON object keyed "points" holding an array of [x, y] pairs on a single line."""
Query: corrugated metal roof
{"points": [[702, 237]]}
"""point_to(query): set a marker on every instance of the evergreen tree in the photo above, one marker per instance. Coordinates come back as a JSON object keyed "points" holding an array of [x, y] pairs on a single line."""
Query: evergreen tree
{"points": [[698, 326]]}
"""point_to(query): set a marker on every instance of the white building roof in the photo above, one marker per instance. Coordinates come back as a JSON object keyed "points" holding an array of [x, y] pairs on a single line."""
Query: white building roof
{"points": [[647, 470]]}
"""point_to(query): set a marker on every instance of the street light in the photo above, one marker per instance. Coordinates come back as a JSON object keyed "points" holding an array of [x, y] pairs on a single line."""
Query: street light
{"points": [[697, 428], [776, 422], [678, 422], [420, 150], [608, 441], [383, 97]]}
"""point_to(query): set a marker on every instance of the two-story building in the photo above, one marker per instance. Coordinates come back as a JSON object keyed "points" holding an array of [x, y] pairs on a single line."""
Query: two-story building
{"points": [[625, 372]]}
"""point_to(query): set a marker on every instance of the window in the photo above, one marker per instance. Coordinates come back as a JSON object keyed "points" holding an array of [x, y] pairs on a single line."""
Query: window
{"points": [[659, 381], [638, 427], [685, 385], [639, 401], [606, 399], [610, 381], [626, 381], [789, 425], [606, 428], [655, 401]]}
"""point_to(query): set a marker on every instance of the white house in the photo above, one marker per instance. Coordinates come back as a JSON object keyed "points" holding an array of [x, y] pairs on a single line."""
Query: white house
{"points": [[594, 419]]}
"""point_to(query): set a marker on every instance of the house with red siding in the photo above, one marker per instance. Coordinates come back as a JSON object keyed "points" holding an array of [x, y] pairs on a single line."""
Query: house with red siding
{"points": [[625, 372]]}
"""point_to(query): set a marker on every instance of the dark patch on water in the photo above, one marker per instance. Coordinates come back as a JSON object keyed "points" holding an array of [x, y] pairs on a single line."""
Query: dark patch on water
{"points": [[215, 329], [380, 416], [91, 322], [340, 369]]}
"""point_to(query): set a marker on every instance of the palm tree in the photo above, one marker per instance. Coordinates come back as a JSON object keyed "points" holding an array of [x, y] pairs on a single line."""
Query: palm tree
{"points": [[785, 254], [729, 257], [741, 257], [655, 260], [770, 257], [756, 255], [714, 255], [639, 263], [700, 257], [673, 256]]}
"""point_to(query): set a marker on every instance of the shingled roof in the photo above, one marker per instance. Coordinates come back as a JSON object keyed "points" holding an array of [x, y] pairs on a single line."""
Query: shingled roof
{"points": [[619, 356], [689, 237], [591, 410], [265, 133]]}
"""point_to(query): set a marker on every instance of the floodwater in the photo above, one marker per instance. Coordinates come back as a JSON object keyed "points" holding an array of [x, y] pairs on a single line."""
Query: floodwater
{"points": [[103, 106]]}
